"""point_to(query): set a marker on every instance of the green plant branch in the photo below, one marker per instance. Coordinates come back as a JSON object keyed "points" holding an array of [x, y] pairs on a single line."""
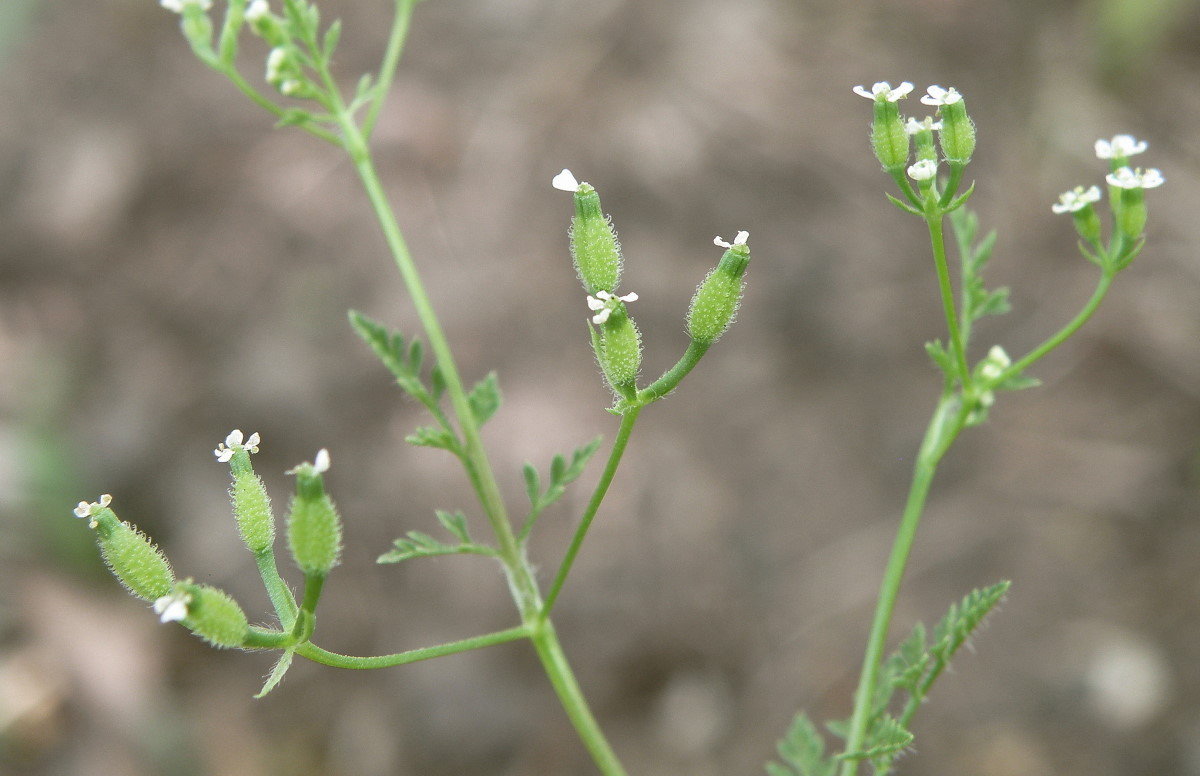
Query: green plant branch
{"points": [[280, 594], [948, 420], [555, 664], [1063, 334], [937, 238], [325, 657], [387, 68], [589, 513]]}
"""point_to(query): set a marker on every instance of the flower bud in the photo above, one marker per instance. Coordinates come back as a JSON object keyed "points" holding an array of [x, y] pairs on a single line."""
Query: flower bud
{"points": [[958, 131], [129, 553], [314, 527], [594, 246], [716, 301], [888, 137], [211, 614]]}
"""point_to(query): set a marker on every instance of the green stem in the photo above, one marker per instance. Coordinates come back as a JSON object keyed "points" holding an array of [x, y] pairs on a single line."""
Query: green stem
{"points": [[391, 57], [277, 590], [947, 421], [1063, 334], [318, 655], [606, 477], [672, 377], [937, 238], [554, 662]]}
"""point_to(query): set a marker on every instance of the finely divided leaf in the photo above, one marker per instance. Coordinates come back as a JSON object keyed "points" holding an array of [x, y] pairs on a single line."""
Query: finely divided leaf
{"points": [[485, 399], [803, 749], [281, 667]]}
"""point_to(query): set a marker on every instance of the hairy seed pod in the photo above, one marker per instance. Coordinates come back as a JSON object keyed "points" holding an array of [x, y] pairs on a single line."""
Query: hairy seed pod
{"points": [[132, 557]]}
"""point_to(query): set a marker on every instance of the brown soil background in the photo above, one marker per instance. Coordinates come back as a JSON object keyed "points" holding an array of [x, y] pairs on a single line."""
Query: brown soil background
{"points": [[172, 268]]}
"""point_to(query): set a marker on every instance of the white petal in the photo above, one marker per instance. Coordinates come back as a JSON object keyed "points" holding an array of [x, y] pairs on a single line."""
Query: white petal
{"points": [[234, 438], [565, 181], [172, 607], [741, 238], [1152, 178], [630, 297], [602, 316], [83, 510], [594, 303], [321, 462], [861, 91], [718, 241]]}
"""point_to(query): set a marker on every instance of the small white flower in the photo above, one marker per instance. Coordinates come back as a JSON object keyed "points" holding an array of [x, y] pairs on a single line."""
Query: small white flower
{"points": [[320, 464], [939, 96], [232, 442], [1127, 178], [257, 10], [275, 62], [884, 90], [178, 6], [1076, 199], [565, 181], [741, 239], [923, 170], [173, 607], [1120, 147], [85, 507], [600, 303], [913, 126], [995, 363]]}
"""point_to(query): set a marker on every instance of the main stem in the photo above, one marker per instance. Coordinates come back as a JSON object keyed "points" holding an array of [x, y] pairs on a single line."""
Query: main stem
{"points": [[520, 574], [948, 420]]}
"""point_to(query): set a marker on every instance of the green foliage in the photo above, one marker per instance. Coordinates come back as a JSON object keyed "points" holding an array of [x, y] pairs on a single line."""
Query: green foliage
{"points": [[915, 665], [484, 399], [281, 667], [562, 474], [978, 302], [421, 545], [802, 749]]}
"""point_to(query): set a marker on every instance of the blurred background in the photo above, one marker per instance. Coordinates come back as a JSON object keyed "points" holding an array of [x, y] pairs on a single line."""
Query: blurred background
{"points": [[173, 268]]}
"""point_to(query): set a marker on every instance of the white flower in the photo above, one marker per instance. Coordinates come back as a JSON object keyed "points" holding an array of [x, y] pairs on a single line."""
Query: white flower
{"points": [[275, 62], [939, 96], [1120, 147], [233, 442], [320, 464], [173, 607], [601, 303], [1076, 199], [741, 239], [178, 6], [885, 91], [913, 126], [1126, 178], [565, 181], [923, 170], [85, 507], [257, 10], [995, 363]]}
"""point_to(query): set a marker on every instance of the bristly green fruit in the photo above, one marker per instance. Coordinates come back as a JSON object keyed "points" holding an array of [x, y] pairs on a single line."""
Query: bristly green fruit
{"points": [[619, 351], [594, 246], [314, 527], [132, 557], [715, 304], [215, 617], [252, 508]]}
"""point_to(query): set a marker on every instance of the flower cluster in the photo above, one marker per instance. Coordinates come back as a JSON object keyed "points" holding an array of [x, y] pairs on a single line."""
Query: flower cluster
{"points": [[892, 136]]}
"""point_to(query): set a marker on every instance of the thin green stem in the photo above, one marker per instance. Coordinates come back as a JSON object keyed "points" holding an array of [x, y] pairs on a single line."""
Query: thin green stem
{"points": [[265, 103], [947, 421], [1063, 334], [672, 377], [318, 655], [281, 596], [387, 68], [555, 664], [589, 513], [938, 240]]}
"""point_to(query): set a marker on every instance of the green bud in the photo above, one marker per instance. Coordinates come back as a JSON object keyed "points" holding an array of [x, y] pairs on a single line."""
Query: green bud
{"points": [[252, 508], [314, 527], [889, 139], [1131, 215], [958, 131], [213, 615], [619, 350], [716, 301], [594, 247], [129, 553], [1087, 224], [198, 30]]}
